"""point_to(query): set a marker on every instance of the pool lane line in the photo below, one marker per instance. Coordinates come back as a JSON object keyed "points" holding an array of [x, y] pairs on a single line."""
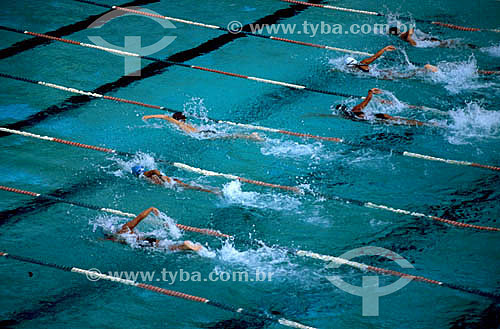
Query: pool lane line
{"points": [[170, 62], [171, 163], [25, 45], [36, 205], [220, 28], [374, 13], [108, 210], [96, 95], [240, 32], [369, 268], [241, 179], [291, 251], [153, 69], [414, 214], [195, 67], [94, 275], [249, 126]]}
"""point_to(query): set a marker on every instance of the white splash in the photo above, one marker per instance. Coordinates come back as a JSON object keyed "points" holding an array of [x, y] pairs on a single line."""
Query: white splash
{"points": [[473, 121], [262, 257], [492, 51], [458, 76], [140, 159], [273, 262], [232, 194], [209, 129], [161, 227], [386, 102], [291, 149], [169, 223]]}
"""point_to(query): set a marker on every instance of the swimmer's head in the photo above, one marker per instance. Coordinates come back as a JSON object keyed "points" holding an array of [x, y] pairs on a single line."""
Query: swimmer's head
{"points": [[179, 116], [350, 62], [341, 107], [393, 30], [137, 170]]}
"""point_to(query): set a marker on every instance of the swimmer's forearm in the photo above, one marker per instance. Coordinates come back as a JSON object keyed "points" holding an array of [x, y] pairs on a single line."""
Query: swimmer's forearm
{"points": [[371, 59], [191, 187], [150, 173], [156, 116], [360, 107]]}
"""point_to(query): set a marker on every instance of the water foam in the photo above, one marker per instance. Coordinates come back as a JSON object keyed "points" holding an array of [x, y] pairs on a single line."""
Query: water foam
{"points": [[161, 227], [233, 194], [139, 159], [492, 51], [458, 76], [473, 121], [294, 150]]}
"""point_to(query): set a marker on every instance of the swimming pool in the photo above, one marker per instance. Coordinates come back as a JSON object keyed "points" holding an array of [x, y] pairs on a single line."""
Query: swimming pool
{"points": [[263, 220]]}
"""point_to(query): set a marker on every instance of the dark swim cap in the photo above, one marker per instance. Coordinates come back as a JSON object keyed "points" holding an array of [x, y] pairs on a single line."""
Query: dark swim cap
{"points": [[341, 107], [179, 116], [393, 30]]}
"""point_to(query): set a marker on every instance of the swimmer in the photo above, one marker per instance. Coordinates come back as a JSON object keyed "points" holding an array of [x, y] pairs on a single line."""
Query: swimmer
{"points": [[129, 227], [157, 177], [357, 114], [363, 66], [180, 120], [410, 34]]}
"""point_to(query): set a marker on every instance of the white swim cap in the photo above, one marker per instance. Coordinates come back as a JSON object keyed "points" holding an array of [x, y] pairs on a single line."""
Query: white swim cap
{"points": [[350, 61]]}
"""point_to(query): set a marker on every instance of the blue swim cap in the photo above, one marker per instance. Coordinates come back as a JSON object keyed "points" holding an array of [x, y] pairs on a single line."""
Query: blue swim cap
{"points": [[137, 170]]}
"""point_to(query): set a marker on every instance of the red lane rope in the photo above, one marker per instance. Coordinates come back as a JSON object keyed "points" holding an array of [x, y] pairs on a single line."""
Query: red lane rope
{"points": [[139, 12], [455, 223], [488, 72], [255, 182], [180, 226], [15, 190], [403, 275], [300, 42], [51, 37], [92, 147], [173, 293], [331, 139], [478, 165], [457, 27], [132, 102], [203, 231]]}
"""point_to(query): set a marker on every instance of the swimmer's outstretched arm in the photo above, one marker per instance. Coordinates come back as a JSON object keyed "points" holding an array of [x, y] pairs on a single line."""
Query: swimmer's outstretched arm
{"points": [[408, 122], [167, 179], [129, 227], [187, 128], [186, 245], [156, 172], [191, 187], [358, 109], [379, 53]]}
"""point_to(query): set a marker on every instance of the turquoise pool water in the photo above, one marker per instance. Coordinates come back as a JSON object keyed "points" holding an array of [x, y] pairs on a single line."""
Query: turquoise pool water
{"points": [[299, 289]]}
